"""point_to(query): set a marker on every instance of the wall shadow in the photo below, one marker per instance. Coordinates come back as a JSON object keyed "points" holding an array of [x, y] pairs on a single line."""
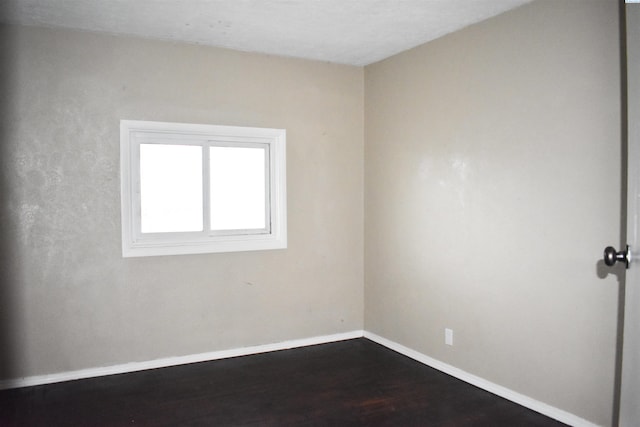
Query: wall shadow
{"points": [[7, 222]]}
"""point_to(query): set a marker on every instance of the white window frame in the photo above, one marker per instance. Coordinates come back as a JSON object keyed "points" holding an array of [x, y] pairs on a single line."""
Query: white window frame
{"points": [[138, 244]]}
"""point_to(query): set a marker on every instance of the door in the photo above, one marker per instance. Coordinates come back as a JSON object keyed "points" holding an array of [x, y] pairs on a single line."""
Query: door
{"points": [[630, 389]]}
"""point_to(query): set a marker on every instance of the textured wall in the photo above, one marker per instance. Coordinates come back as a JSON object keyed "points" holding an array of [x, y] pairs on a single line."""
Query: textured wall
{"points": [[71, 301], [490, 158], [492, 185]]}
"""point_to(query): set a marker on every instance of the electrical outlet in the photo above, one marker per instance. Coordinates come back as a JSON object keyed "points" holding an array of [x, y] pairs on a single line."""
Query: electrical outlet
{"points": [[448, 336]]}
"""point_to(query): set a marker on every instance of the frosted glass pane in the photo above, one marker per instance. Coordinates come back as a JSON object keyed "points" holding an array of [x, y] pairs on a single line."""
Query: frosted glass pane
{"points": [[171, 188], [238, 194]]}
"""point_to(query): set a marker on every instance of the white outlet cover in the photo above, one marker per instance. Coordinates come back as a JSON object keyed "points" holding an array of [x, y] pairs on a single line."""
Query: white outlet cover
{"points": [[448, 336]]}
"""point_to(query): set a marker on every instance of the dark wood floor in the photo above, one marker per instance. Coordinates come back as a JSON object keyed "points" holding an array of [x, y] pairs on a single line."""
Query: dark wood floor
{"points": [[349, 383]]}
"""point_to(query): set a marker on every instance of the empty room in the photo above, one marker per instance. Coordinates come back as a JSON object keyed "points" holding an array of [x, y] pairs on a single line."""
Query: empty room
{"points": [[320, 212]]}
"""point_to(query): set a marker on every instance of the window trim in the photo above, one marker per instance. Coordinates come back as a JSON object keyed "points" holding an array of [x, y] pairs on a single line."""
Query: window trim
{"points": [[137, 244]]}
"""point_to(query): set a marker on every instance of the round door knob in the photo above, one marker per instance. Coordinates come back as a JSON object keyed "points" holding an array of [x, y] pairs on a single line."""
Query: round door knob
{"points": [[611, 256]]}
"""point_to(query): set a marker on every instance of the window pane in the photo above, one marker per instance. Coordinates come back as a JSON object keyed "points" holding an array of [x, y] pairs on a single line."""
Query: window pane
{"points": [[238, 182], [171, 188]]}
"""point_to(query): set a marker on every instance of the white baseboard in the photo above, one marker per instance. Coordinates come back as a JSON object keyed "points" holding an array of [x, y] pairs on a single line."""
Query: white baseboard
{"points": [[173, 361], [520, 399]]}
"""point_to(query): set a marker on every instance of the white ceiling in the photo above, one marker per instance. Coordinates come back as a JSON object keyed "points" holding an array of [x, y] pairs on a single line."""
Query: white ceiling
{"points": [[356, 32]]}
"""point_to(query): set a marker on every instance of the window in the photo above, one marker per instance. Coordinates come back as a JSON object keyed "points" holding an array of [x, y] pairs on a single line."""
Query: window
{"points": [[201, 188]]}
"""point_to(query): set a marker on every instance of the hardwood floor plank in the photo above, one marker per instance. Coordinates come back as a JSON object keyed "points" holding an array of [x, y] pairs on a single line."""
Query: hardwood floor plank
{"points": [[348, 383]]}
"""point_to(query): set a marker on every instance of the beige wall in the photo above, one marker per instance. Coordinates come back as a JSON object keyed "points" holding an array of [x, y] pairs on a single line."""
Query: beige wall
{"points": [[492, 171], [71, 299], [490, 158]]}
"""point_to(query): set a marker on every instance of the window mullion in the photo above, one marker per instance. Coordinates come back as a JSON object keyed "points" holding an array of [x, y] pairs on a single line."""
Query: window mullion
{"points": [[206, 193], [267, 193], [136, 202]]}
